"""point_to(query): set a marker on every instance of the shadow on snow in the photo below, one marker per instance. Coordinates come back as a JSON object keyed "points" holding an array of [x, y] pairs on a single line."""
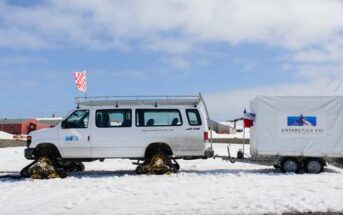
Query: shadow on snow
{"points": [[14, 176]]}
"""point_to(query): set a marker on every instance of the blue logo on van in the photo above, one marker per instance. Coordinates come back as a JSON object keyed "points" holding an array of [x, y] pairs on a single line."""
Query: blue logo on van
{"points": [[72, 138], [302, 120]]}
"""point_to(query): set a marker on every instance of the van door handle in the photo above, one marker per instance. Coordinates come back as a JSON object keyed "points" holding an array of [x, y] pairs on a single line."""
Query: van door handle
{"points": [[89, 138]]}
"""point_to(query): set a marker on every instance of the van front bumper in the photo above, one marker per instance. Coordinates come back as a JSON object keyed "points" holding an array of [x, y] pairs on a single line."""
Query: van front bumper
{"points": [[209, 153], [29, 153]]}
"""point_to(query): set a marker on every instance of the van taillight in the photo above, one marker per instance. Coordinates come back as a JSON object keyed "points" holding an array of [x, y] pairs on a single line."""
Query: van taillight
{"points": [[205, 136]]}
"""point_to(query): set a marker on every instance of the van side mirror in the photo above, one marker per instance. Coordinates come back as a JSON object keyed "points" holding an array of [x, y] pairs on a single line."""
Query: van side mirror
{"points": [[63, 124]]}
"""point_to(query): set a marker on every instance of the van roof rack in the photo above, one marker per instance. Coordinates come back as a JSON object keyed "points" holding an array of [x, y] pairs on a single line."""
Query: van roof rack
{"points": [[138, 100]]}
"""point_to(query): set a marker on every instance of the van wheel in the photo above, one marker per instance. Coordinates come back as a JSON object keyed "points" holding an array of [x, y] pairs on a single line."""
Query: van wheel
{"points": [[176, 165], [290, 165], [25, 172], [140, 169], [314, 166], [80, 167], [44, 169], [75, 167], [160, 164]]}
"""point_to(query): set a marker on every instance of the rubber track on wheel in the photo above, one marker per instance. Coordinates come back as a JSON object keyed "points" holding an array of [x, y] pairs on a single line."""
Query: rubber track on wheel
{"points": [[11, 176]]}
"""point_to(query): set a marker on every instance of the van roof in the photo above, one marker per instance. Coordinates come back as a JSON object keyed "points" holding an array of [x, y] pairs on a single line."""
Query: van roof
{"points": [[138, 100]]}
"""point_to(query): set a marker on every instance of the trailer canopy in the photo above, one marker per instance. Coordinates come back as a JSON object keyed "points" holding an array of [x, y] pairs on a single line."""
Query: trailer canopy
{"points": [[298, 126]]}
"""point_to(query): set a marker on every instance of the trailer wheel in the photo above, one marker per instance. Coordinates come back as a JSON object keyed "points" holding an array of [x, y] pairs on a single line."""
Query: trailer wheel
{"points": [[314, 166], [290, 165]]}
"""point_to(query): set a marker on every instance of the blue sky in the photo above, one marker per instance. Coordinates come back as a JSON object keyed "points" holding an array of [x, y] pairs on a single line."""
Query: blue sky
{"points": [[231, 51]]}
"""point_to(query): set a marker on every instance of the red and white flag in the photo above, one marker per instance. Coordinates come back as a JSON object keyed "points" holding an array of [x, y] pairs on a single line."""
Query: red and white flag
{"points": [[248, 119], [81, 80]]}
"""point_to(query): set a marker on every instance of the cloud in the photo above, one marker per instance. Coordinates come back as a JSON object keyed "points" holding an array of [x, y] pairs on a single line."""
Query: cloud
{"points": [[136, 74], [10, 61], [309, 31], [290, 24], [177, 62], [168, 45]]}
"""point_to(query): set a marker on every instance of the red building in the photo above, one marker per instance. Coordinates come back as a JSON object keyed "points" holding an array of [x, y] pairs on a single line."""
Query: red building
{"points": [[21, 126]]}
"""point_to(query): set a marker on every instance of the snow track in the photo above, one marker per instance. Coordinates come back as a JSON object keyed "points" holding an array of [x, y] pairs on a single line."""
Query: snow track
{"points": [[202, 187]]}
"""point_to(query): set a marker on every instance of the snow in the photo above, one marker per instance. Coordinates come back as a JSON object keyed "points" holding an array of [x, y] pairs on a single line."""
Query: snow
{"points": [[202, 187], [5, 136], [238, 135]]}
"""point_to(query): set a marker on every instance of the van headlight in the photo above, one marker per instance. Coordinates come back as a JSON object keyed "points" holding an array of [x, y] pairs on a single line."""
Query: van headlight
{"points": [[28, 141]]}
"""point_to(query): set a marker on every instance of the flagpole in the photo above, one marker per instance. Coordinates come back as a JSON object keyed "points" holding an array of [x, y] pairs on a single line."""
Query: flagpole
{"points": [[86, 85], [244, 112], [243, 139]]}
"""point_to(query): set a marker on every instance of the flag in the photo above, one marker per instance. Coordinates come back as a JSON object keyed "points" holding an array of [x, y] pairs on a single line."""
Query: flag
{"points": [[248, 119], [81, 81]]}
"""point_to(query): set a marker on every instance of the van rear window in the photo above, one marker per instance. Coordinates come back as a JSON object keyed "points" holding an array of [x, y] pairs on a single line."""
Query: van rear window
{"points": [[158, 117], [193, 117], [113, 118]]}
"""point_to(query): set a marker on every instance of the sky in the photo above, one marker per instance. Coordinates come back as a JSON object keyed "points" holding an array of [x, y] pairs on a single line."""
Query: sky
{"points": [[229, 50]]}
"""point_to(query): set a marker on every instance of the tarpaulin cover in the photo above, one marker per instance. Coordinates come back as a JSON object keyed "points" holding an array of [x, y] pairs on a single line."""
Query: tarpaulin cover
{"points": [[297, 126]]}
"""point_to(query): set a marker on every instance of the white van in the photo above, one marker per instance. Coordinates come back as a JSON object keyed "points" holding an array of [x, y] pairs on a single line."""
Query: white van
{"points": [[155, 131]]}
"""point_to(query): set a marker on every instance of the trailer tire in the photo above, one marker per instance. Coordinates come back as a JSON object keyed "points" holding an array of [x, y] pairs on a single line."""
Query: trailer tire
{"points": [[314, 166], [290, 165]]}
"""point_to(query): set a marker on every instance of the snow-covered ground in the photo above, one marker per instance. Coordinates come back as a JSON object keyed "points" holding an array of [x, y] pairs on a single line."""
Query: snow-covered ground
{"points": [[201, 187], [5, 136], [238, 135]]}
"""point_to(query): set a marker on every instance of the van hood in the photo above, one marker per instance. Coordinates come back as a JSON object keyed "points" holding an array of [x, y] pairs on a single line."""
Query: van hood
{"points": [[41, 131]]}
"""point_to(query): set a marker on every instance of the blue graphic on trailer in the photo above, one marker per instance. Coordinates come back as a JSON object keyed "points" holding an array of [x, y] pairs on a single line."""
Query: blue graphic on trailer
{"points": [[71, 138], [302, 120]]}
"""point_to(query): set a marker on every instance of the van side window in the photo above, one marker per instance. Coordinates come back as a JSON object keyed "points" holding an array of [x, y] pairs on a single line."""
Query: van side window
{"points": [[193, 117], [158, 117], [113, 118], [78, 119]]}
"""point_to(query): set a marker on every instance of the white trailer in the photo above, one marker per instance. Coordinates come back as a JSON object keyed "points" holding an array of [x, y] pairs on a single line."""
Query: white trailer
{"points": [[295, 133]]}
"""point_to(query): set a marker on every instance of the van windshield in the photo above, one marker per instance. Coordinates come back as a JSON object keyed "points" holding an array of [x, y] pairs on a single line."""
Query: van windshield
{"points": [[78, 119]]}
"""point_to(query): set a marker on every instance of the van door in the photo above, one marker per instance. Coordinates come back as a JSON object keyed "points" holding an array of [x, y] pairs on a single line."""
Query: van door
{"points": [[112, 133], [74, 135], [161, 126]]}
